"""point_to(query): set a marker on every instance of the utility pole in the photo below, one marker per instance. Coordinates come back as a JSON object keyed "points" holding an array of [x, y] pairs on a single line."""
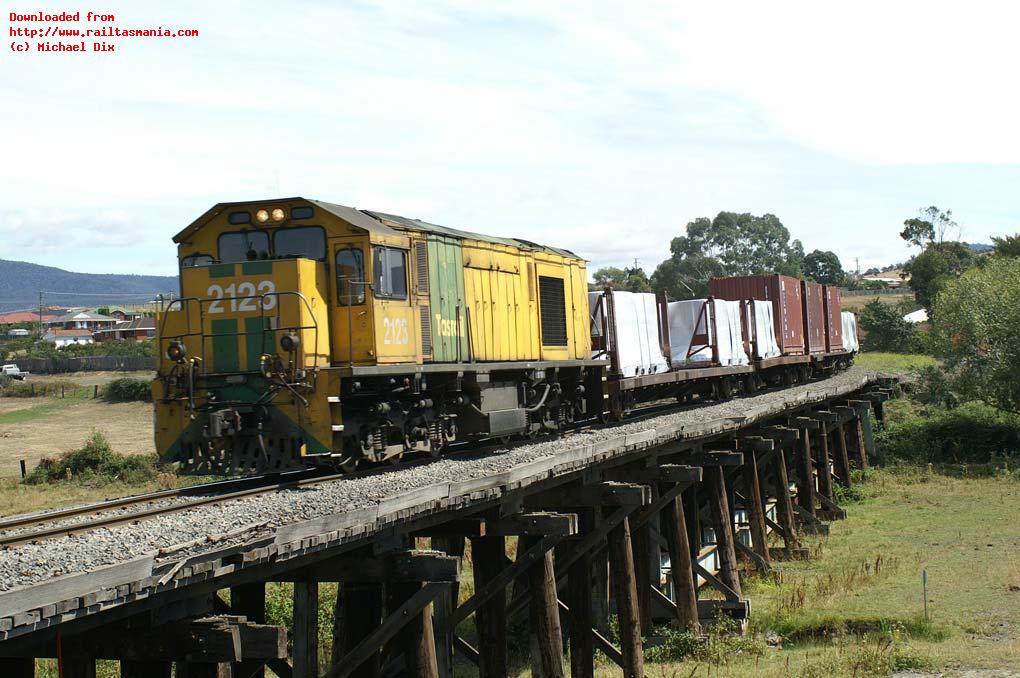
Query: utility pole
{"points": [[41, 333]]}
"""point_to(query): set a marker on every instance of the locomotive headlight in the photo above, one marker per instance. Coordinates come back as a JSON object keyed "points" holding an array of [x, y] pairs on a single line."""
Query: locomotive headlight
{"points": [[278, 214], [262, 216], [289, 342], [176, 351]]}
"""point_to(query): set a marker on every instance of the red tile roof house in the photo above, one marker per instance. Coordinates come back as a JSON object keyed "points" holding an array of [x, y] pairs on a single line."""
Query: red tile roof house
{"points": [[23, 317], [138, 329]]}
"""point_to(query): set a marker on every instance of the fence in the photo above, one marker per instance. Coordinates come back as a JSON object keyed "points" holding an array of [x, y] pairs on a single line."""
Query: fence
{"points": [[92, 363], [55, 389]]}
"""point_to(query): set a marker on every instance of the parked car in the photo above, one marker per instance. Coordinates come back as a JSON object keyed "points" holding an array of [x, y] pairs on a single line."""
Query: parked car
{"points": [[12, 370]]}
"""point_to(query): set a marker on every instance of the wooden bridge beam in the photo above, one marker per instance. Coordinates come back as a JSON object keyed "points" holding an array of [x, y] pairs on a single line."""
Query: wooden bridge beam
{"points": [[756, 506], [580, 622], [722, 524], [544, 615], [681, 568], [621, 566], [488, 560]]}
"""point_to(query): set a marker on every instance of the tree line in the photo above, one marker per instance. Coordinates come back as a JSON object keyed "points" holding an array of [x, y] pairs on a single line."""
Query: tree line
{"points": [[730, 244]]}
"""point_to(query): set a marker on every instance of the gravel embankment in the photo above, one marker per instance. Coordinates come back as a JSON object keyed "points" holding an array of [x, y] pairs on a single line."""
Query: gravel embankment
{"points": [[32, 563]]}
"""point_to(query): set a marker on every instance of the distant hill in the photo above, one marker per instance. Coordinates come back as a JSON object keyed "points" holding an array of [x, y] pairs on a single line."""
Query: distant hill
{"points": [[20, 283], [980, 248]]}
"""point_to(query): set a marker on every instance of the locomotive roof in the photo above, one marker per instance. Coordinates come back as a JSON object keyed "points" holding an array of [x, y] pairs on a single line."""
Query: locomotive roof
{"points": [[374, 222]]}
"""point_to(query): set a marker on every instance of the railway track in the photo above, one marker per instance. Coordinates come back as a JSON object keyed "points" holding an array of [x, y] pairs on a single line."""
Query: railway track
{"points": [[36, 527]]}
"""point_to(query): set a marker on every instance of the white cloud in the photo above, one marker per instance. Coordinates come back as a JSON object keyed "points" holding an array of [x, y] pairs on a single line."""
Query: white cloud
{"points": [[39, 230]]}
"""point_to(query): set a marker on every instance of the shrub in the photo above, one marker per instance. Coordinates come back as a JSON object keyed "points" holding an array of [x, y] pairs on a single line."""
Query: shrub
{"points": [[885, 330], [32, 389], [974, 433], [127, 389], [95, 460]]}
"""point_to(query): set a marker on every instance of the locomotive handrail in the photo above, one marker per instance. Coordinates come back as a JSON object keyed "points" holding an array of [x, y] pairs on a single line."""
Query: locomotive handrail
{"points": [[185, 304]]}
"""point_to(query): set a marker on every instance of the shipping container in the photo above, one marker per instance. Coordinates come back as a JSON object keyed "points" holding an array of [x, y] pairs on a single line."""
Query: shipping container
{"points": [[833, 319], [814, 316], [785, 294]]}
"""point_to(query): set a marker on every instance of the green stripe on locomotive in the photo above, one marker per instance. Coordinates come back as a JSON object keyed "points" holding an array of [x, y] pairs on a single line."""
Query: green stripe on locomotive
{"points": [[446, 296]]}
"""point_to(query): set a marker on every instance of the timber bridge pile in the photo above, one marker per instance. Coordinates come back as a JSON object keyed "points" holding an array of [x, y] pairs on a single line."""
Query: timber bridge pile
{"points": [[644, 520]]}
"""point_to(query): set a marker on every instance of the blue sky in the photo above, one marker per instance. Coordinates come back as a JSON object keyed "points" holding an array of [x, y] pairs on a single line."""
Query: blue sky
{"points": [[603, 128]]}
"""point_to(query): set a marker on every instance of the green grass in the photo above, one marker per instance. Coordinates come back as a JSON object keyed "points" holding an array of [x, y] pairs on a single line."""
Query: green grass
{"points": [[893, 362], [47, 407], [856, 608]]}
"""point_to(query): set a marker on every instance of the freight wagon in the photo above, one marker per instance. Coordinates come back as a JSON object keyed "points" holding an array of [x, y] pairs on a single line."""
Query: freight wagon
{"points": [[760, 331]]}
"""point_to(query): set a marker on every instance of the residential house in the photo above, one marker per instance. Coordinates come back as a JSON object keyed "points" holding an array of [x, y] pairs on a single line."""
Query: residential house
{"points": [[64, 337], [81, 320], [138, 329], [121, 313]]}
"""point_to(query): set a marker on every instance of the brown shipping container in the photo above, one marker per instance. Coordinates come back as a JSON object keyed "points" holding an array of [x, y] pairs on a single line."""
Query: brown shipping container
{"points": [[814, 316], [785, 294], [833, 319]]}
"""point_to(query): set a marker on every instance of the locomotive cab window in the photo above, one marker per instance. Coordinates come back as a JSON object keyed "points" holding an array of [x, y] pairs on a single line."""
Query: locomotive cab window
{"points": [[243, 246], [308, 242], [350, 277], [193, 260], [389, 267]]}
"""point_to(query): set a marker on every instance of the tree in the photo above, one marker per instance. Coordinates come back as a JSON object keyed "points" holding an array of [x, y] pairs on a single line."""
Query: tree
{"points": [[744, 243], [824, 267], [930, 228], [939, 263], [978, 324], [884, 329], [686, 278], [729, 244], [1009, 246], [626, 279]]}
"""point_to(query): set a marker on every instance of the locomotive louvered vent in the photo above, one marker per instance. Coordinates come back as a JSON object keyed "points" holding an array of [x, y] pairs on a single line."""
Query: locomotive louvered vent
{"points": [[426, 331], [421, 260], [553, 309]]}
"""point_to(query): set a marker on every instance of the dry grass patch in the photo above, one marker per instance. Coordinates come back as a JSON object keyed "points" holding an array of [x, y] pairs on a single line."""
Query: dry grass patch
{"points": [[52, 426]]}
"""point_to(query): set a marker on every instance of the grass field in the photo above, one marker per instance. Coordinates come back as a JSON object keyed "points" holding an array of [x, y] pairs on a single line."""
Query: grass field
{"points": [[33, 428], [893, 362], [857, 302]]}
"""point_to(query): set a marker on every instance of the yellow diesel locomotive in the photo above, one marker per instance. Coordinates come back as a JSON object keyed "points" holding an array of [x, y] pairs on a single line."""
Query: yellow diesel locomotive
{"points": [[312, 333]]}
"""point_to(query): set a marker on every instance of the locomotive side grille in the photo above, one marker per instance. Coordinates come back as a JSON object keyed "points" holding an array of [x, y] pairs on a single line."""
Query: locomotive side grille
{"points": [[421, 267], [426, 331], [553, 311]]}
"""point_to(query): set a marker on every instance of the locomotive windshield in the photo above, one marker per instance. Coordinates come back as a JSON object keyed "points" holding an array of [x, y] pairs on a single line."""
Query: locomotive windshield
{"points": [[308, 242], [243, 246]]}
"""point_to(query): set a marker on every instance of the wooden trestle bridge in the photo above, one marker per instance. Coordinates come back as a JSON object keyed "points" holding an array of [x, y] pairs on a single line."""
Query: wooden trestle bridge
{"points": [[640, 526]]}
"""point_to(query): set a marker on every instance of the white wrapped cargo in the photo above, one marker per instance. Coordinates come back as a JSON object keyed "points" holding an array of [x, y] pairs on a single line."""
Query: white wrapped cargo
{"points": [[694, 332], [764, 329], [688, 334], [850, 342], [636, 332]]}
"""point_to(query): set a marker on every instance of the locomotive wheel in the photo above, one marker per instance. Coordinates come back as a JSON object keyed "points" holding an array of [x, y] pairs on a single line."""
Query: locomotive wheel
{"points": [[347, 464]]}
